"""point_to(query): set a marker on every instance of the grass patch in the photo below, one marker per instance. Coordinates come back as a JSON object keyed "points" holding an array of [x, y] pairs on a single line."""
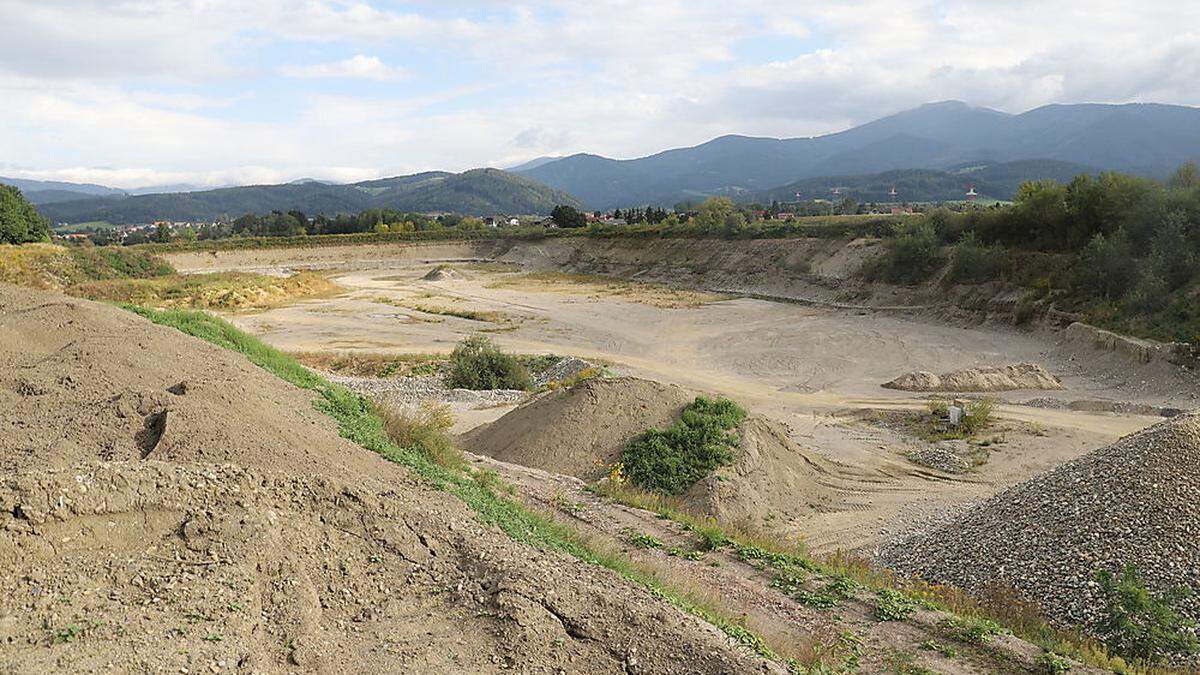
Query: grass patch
{"points": [[478, 364], [223, 291], [468, 314], [670, 461], [424, 429], [58, 267]]}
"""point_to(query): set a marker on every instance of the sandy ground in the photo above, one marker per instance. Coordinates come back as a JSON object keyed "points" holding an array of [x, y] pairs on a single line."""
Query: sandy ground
{"points": [[814, 369]]}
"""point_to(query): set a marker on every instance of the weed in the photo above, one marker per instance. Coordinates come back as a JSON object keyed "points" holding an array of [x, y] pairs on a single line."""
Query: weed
{"points": [[423, 429], [1053, 664], [1142, 625], [640, 540], [816, 600], [934, 646], [477, 364], [893, 605], [973, 630], [66, 634], [670, 461]]}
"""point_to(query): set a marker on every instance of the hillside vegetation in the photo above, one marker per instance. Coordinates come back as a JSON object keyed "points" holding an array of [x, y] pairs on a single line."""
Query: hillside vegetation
{"points": [[19, 221], [477, 192], [1120, 250], [59, 267]]}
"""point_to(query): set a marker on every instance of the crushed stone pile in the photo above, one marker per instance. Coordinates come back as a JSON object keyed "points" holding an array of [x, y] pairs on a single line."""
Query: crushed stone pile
{"points": [[1004, 378], [566, 368], [409, 391], [580, 431], [166, 506], [442, 273], [1136, 502]]}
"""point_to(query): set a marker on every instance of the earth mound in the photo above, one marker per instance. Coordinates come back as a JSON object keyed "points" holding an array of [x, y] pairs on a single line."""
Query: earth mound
{"points": [[233, 529], [1135, 502], [984, 379], [580, 431], [772, 477], [442, 273]]}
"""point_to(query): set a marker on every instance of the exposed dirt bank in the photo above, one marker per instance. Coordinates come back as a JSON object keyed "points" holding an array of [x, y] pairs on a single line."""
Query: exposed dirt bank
{"points": [[235, 530]]}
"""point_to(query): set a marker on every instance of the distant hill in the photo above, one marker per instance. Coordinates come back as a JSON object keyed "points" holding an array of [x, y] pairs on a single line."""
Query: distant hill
{"points": [[532, 164], [1140, 138], [48, 191], [478, 192], [991, 181]]}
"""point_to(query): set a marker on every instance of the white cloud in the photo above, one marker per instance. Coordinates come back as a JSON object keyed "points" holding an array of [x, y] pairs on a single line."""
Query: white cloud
{"points": [[168, 87], [358, 67]]}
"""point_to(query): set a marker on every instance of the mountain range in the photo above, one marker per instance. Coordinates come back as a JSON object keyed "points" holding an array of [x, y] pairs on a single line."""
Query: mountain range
{"points": [[1150, 139], [476, 192]]}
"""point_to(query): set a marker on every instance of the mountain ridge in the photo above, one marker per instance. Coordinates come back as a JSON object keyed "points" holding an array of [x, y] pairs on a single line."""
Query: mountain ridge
{"points": [[1146, 138]]}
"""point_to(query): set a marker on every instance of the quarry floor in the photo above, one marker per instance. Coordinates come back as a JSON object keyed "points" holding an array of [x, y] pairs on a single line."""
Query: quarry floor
{"points": [[815, 369]]}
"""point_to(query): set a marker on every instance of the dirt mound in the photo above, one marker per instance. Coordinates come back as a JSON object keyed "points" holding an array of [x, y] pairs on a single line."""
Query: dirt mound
{"points": [[1136, 502], [566, 368], [442, 273], [1003, 378], [300, 552], [580, 431], [83, 381], [772, 481]]}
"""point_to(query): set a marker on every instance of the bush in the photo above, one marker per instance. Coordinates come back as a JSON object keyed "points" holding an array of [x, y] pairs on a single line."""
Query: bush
{"points": [[974, 263], [423, 430], [672, 460], [477, 364], [913, 255], [977, 415], [1142, 625], [1106, 266]]}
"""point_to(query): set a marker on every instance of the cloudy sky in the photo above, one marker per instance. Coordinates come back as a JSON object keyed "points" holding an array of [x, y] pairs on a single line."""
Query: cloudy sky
{"points": [[144, 92]]}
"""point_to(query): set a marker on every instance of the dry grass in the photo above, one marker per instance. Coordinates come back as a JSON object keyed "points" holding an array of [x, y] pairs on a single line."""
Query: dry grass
{"points": [[594, 286], [230, 291], [56, 267], [355, 364], [423, 429]]}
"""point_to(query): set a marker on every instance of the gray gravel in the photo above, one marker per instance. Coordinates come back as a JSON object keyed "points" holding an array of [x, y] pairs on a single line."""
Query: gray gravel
{"points": [[413, 390], [1134, 502], [567, 367]]}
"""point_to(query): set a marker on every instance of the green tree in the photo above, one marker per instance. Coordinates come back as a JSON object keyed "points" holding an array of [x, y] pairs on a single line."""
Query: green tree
{"points": [[1141, 625], [568, 216], [19, 221], [719, 214]]}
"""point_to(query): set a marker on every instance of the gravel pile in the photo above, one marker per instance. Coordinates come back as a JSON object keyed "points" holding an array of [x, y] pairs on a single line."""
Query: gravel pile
{"points": [[1091, 405], [1003, 378], [567, 367], [1136, 502], [405, 391], [942, 457]]}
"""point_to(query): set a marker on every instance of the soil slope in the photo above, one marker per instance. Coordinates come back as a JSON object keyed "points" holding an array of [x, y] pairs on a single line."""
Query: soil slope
{"points": [[580, 431], [1135, 502], [224, 525]]}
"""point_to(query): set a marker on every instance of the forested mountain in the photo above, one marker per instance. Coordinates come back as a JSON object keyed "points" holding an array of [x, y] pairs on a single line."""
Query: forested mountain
{"points": [[1149, 139], [46, 191], [478, 192], [991, 181]]}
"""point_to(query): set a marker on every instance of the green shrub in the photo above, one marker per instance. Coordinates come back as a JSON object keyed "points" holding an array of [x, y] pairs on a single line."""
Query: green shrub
{"points": [[893, 605], [670, 461], [974, 263], [477, 364], [911, 256], [20, 223], [978, 415], [1106, 267], [1142, 625]]}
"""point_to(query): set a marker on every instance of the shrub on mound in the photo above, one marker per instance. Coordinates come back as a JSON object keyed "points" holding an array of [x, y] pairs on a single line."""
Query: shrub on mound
{"points": [[478, 364], [669, 461]]}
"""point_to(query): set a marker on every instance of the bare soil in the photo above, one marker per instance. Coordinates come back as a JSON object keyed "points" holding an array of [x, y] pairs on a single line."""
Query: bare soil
{"points": [[815, 367], [168, 507]]}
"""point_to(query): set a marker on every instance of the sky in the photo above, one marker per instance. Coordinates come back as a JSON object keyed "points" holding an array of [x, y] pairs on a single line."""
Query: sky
{"points": [[132, 93]]}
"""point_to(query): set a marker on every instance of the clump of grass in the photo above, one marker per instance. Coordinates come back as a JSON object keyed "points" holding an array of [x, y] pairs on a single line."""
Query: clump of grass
{"points": [[672, 460], [357, 364], [478, 364], [423, 429], [469, 314]]}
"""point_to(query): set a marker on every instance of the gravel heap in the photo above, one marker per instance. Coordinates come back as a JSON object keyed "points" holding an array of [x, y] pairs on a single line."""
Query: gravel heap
{"points": [[1136, 502], [567, 367], [412, 390], [1003, 378], [943, 457]]}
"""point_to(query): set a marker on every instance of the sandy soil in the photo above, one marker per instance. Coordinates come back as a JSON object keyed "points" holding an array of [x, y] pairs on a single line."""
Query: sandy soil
{"points": [[815, 369]]}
